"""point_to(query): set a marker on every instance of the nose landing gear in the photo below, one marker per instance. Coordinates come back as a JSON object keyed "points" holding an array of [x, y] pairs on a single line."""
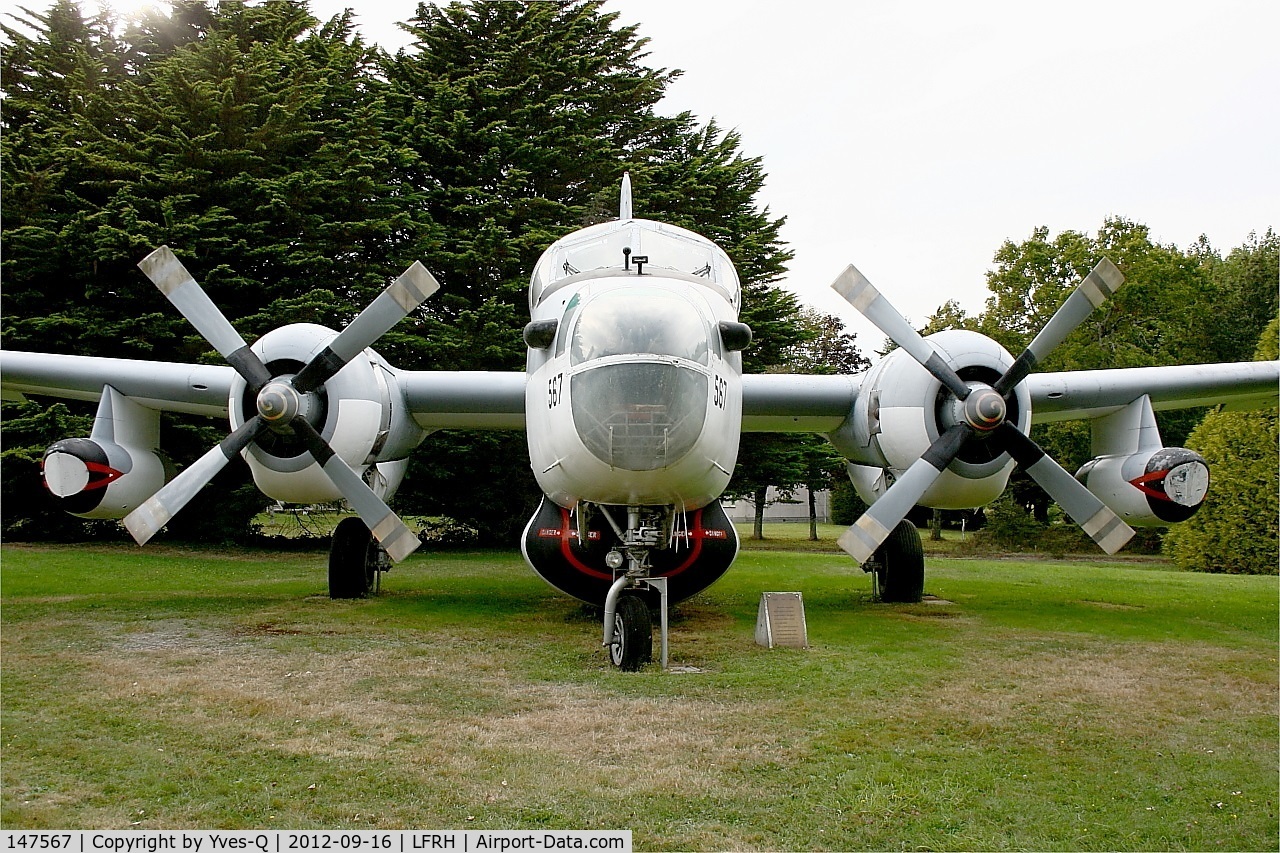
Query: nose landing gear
{"points": [[632, 642], [628, 626]]}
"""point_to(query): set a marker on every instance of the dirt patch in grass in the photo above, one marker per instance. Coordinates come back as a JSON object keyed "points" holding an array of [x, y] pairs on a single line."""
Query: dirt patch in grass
{"points": [[1110, 605], [439, 701], [1127, 689], [931, 609], [684, 740], [176, 635], [269, 629]]}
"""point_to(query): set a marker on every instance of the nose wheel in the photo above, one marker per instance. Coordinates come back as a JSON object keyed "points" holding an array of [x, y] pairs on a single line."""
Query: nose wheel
{"points": [[628, 624], [632, 645]]}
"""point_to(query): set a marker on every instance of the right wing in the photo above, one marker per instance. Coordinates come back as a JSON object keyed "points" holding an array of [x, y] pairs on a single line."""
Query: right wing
{"points": [[198, 389], [459, 399]]}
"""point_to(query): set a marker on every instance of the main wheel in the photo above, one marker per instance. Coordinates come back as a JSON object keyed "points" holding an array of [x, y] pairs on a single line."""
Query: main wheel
{"points": [[632, 634], [353, 560], [901, 565]]}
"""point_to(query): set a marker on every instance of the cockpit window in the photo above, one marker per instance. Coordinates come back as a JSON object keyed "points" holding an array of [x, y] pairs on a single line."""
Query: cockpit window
{"points": [[599, 253], [636, 320], [635, 247], [670, 252]]}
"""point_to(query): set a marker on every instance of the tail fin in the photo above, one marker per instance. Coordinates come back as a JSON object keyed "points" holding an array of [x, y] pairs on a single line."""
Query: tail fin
{"points": [[624, 201]]}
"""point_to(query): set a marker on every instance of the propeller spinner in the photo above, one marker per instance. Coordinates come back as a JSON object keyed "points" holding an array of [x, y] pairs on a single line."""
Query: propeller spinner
{"points": [[979, 413], [284, 403]]}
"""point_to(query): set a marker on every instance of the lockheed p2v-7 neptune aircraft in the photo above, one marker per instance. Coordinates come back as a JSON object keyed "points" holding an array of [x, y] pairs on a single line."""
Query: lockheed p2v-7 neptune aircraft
{"points": [[633, 402]]}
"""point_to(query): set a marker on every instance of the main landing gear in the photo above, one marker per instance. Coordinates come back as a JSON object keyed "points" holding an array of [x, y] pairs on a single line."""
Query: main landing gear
{"points": [[628, 625], [356, 561], [897, 566]]}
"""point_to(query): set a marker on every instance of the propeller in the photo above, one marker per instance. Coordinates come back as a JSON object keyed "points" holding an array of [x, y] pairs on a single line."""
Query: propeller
{"points": [[179, 287], [281, 400], [982, 417]]}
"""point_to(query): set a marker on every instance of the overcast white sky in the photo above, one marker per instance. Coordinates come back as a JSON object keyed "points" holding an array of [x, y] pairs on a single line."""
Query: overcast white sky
{"points": [[913, 138]]}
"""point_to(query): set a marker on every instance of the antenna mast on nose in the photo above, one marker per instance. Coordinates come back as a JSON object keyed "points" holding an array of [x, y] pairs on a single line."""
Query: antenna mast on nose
{"points": [[624, 201]]}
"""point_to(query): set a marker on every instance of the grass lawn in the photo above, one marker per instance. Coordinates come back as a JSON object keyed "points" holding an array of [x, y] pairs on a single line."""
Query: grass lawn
{"points": [[1052, 705]]}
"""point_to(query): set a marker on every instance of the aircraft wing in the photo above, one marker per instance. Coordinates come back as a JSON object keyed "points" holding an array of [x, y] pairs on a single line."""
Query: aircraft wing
{"points": [[778, 402], [435, 399], [464, 399], [783, 402], [1076, 394], [199, 389]]}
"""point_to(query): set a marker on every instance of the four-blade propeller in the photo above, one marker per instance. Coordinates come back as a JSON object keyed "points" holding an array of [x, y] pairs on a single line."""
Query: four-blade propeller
{"points": [[984, 409], [281, 400]]}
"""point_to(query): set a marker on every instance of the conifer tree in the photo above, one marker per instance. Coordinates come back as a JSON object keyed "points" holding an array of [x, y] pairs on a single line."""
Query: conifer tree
{"points": [[521, 119], [248, 138]]}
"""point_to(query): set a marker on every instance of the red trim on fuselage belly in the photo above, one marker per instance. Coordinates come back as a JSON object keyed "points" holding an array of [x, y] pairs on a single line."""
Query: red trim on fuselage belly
{"points": [[566, 548]]}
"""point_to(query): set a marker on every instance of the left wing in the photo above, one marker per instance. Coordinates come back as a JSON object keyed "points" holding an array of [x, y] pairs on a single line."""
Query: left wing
{"points": [[1077, 394], [459, 399], [941, 421], [780, 402], [318, 415], [465, 399]]}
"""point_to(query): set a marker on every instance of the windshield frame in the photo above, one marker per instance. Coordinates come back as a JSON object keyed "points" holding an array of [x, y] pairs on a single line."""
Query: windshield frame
{"points": [[641, 320]]}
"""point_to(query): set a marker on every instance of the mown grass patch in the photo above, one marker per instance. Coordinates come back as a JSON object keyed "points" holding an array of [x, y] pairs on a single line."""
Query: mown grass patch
{"points": [[1051, 705]]}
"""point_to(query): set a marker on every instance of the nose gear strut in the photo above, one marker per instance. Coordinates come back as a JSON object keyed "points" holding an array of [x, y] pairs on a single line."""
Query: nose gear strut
{"points": [[628, 628]]}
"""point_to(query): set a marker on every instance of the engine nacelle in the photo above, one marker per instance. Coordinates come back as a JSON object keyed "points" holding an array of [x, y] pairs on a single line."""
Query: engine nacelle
{"points": [[902, 409], [356, 414], [1150, 488], [94, 478]]}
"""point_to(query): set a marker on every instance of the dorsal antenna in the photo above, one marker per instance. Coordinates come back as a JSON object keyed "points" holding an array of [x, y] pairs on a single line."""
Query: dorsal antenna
{"points": [[624, 199]]}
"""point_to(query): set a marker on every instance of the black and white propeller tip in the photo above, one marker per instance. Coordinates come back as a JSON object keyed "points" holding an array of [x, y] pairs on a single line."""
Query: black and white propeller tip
{"points": [[278, 399], [984, 417]]}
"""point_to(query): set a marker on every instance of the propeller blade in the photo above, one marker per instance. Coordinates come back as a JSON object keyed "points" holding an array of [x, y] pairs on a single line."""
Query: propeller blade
{"points": [[863, 296], [868, 533], [1096, 518], [398, 540], [1093, 290], [180, 287], [395, 303], [155, 512]]}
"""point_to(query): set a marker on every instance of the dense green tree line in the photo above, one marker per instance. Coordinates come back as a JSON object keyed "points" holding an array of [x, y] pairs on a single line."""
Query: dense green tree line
{"points": [[296, 169]]}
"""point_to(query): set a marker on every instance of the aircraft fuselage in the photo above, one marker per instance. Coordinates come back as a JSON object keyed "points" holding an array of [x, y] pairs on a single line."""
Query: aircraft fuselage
{"points": [[634, 398]]}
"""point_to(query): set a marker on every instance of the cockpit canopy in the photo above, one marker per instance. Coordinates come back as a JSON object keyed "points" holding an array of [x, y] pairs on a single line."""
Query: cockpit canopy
{"points": [[639, 320], [655, 247]]}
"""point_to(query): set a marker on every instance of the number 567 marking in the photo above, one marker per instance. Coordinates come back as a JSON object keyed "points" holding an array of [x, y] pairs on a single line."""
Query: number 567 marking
{"points": [[719, 392], [555, 388]]}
